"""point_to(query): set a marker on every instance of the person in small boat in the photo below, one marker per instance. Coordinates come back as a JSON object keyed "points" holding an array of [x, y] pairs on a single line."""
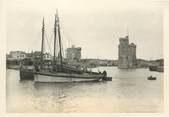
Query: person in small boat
{"points": [[36, 68], [104, 73], [99, 71], [151, 78]]}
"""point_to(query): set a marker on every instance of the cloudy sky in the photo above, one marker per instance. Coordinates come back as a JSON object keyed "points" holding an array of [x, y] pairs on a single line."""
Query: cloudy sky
{"points": [[94, 25]]}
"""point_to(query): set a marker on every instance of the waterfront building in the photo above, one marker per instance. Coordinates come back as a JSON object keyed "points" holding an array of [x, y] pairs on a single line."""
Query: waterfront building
{"points": [[126, 54], [16, 55], [73, 53]]}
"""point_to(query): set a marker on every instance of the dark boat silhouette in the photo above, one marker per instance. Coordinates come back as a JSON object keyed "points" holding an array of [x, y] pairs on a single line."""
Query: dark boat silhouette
{"points": [[151, 78]]}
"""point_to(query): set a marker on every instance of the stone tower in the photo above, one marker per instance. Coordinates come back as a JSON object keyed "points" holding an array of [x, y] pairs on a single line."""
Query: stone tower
{"points": [[126, 54], [74, 53], [132, 56], [123, 52]]}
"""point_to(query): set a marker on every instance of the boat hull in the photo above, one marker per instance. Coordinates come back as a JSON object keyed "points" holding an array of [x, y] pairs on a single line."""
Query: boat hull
{"points": [[64, 78], [16, 67], [27, 73]]}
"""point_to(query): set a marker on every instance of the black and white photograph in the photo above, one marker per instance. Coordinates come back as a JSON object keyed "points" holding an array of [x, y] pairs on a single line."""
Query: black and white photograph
{"points": [[85, 56]]}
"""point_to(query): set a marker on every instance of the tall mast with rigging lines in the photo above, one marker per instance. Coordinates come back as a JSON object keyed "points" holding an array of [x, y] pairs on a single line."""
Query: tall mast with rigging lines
{"points": [[60, 43], [55, 32], [42, 45]]}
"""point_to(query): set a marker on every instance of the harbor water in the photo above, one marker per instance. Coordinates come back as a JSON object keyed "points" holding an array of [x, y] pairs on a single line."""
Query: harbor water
{"points": [[129, 91]]}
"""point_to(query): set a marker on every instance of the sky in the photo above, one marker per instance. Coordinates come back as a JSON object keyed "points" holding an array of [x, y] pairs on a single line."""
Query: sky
{"points": [[93, 25]]}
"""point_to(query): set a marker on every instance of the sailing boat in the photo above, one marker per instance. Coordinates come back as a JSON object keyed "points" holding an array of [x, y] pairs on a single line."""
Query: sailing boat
{"points": [[59, 71]]}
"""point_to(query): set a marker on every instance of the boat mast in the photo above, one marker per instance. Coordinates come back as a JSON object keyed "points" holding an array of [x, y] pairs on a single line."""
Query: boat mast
{"points": [[60, 46], [55, 26], [42, 46]]}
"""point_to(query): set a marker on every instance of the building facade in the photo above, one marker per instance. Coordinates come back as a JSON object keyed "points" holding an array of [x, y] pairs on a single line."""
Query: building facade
{"points": [[37, 55], [126, 54], [17, 55], [73, 53]]}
